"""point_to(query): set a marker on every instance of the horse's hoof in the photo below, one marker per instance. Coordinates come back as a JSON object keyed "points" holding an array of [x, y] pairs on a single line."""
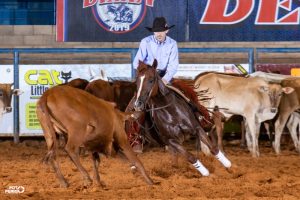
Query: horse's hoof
{"points": [[229, 170], [232, 169]]}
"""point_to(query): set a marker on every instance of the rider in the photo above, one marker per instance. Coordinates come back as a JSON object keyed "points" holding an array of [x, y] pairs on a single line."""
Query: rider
{"points": [[164, 49]]}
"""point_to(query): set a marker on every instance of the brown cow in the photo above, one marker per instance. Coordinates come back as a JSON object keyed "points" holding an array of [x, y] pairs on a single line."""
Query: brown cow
{"points": [[118, 91], [123, 93], [88, 121], [78, 83], [101, 89]]}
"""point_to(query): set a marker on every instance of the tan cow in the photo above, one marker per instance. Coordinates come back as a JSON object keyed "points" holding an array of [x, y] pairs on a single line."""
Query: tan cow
{"points": [[253, 98], [293, 125], [88, 121], [288, 104], [6, 93]]}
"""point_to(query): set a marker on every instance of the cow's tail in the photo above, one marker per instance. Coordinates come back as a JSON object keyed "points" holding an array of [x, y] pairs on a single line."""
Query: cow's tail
{"points": [[44, 116]]}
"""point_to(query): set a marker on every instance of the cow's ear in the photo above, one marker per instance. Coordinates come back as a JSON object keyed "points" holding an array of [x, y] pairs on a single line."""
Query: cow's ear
{"points": [[288, 90], [263, 89], [112, 103], [117, 90], [17, 92]]}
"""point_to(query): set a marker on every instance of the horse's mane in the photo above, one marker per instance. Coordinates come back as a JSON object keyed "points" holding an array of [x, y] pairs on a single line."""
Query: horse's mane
{"points": [[229, 74], [189, 92]]}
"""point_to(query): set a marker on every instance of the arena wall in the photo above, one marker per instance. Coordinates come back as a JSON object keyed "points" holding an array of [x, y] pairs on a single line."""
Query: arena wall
{"points": [[35, 36], [44, 36]]}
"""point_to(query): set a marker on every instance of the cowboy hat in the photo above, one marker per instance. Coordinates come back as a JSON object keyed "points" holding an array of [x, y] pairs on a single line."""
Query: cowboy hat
{"points": [[159, 25]]}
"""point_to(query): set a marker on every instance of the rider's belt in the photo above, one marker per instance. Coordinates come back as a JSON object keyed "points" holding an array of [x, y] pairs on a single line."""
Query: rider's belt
{"points": [[161, 72]]}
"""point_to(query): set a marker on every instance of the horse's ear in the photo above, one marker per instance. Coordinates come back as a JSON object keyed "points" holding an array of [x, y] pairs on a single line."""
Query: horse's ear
{"points": [[140, 62], [162, 87], [140, 66], [154, 64]]}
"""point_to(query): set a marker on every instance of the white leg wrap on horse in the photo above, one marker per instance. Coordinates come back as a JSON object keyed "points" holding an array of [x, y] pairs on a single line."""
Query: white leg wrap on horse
{"points": [[200, 167], [220, 156]]}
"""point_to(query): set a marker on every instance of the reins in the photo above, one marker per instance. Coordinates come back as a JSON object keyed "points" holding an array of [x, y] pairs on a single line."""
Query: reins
{"points": [[162, 107], [152, 109]]}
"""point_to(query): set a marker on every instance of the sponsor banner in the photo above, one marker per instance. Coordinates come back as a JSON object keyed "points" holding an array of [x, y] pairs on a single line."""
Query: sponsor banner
{"points": [[116, 20], [190, 71], [7, 122], [244, 20], [36, 79], [285, 69], [194, 20]]}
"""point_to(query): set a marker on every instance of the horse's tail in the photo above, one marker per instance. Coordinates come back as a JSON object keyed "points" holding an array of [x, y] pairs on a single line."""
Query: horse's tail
{"points": [[44, 115], [188, 91]]}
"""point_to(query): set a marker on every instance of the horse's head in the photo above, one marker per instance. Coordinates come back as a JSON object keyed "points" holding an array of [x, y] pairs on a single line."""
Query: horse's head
{"points": [[148, 84]]}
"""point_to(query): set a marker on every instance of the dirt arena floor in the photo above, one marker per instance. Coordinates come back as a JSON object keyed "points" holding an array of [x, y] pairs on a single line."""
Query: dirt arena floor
{"points": [[267, 177]]}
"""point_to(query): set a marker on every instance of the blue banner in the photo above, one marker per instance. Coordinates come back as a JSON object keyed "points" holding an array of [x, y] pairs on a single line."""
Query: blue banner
{"points": [[117, 20], [194, 20]]}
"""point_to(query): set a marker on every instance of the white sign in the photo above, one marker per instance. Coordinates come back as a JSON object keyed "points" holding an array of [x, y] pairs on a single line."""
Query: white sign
{"points": [[190, 71], [7, 122], [36, 79], [14, 190]]}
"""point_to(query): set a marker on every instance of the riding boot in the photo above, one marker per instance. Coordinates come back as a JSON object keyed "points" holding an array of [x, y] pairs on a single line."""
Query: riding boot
{"points": [[205, 121], [133, 130]]}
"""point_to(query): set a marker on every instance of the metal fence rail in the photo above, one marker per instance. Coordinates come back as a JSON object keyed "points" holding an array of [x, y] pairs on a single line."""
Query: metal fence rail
{"points": [[16, 60]]}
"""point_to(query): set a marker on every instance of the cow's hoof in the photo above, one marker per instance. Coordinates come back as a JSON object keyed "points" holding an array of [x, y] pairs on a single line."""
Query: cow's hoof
{"points": [[103, 185], [87, 183], [133, 169], [64, 184]]}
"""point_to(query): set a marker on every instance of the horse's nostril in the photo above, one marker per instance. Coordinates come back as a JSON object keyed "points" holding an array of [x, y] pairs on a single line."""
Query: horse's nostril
{"points": [[8, 109]]}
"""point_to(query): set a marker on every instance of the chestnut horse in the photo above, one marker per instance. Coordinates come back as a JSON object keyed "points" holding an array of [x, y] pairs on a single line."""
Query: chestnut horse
{"points": [[172, 116]]}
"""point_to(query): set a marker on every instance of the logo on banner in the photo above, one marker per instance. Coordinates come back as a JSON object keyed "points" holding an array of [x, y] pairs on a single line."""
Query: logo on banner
{"points": [[42, 80], [269, 12], [118, 16]]}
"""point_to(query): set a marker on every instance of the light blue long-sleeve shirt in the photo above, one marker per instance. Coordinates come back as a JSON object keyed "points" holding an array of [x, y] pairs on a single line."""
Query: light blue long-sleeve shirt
{"points": [[166, 54]]}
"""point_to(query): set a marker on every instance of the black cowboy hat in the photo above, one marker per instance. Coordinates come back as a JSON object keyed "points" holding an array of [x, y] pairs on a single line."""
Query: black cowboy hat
{"points": [[159, 25]]}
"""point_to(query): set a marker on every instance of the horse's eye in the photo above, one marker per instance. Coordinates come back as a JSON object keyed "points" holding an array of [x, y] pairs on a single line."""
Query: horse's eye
{"points": [[151, 81]]}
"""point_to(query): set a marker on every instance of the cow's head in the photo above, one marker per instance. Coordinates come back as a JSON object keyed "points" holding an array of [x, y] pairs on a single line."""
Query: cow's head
{"points": [[6, 93], [274, 92]]}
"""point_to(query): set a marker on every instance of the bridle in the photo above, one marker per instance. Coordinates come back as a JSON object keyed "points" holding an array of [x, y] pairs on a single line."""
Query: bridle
{"points": [[152, 109], [156, 78]]}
